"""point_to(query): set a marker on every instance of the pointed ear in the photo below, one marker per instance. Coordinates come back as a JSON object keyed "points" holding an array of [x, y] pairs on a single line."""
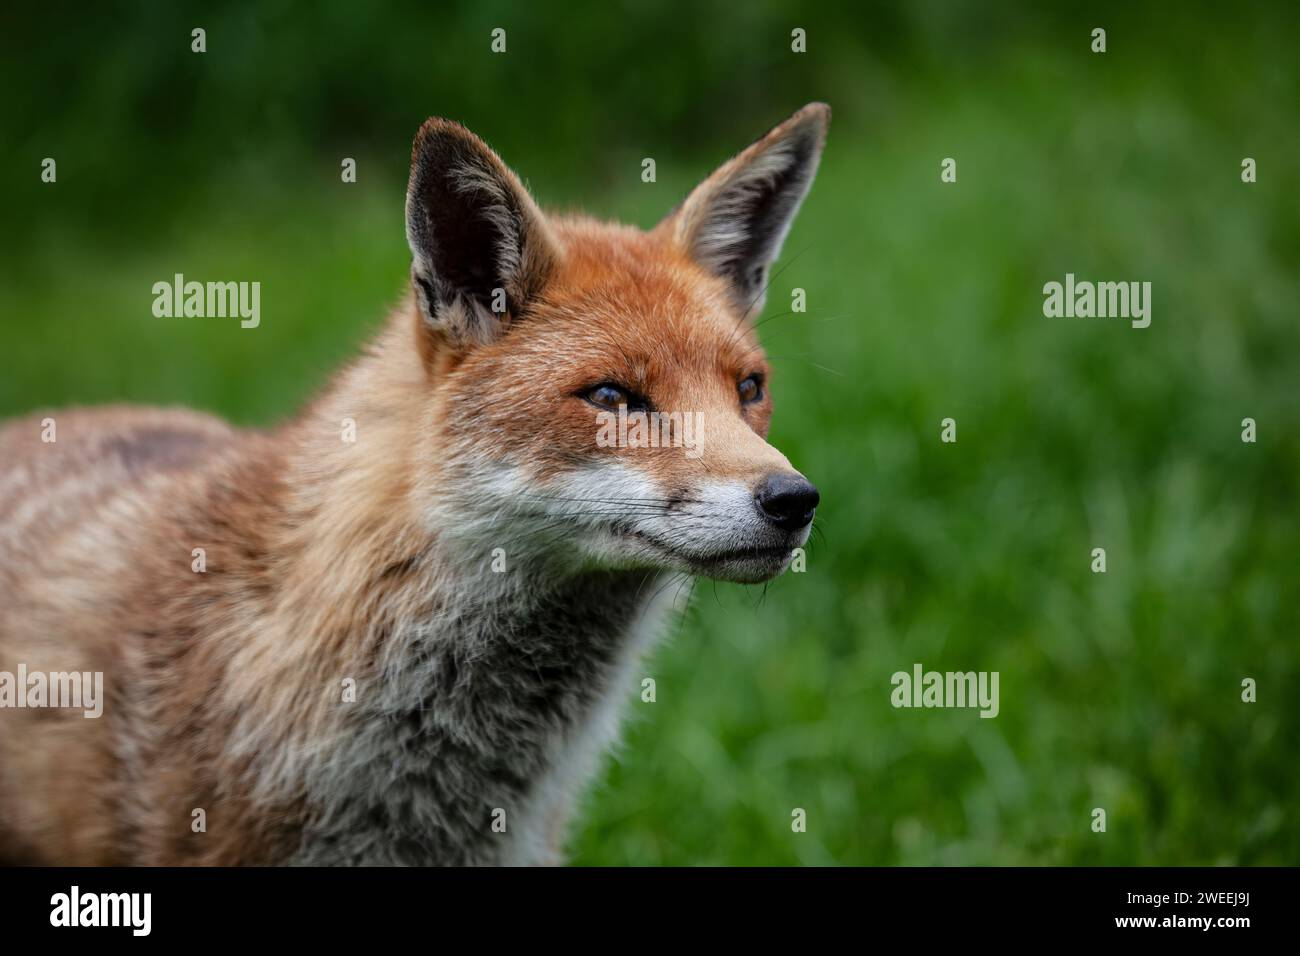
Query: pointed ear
{"points": [[479, 245], [734, 223]]}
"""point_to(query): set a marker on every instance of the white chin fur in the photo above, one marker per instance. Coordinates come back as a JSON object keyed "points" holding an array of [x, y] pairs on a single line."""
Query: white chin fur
{"points": [[611, 516]]}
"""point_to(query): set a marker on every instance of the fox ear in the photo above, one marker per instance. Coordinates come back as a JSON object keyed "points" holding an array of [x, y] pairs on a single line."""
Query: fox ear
{"points": [[479, 244], [734, 223]]}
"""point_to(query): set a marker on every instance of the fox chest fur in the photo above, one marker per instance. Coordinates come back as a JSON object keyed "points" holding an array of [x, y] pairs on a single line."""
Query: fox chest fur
{"points": [[491, 714]]}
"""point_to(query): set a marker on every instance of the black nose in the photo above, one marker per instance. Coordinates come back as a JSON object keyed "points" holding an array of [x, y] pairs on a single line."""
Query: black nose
{"points": [[787, 500]]}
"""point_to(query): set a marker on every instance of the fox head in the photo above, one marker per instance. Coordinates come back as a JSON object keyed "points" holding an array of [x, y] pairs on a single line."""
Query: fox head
{"points": [[597, 395]]}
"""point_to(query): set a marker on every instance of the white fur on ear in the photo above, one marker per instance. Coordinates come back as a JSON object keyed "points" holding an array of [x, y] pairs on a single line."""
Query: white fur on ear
{"points": [[735, 222]]}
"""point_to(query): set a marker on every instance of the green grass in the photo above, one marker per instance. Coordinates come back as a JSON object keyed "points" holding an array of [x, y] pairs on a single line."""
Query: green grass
{"points": [[1120, 690]]}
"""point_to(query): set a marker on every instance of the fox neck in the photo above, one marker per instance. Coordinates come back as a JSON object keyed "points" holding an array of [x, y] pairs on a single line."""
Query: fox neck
{"points": [[431, 710], [479, 723]]}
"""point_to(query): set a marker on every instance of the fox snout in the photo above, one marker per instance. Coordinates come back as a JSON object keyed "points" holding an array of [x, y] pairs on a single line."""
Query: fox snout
{"points": [[787, 501]]}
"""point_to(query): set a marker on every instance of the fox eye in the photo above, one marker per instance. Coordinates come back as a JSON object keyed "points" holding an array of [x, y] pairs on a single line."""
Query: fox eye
{"points": [[751, 389], [609, 396]]}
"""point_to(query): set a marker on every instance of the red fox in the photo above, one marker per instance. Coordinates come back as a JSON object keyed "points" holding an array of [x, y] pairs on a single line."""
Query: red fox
{"points": [[398, 628]]}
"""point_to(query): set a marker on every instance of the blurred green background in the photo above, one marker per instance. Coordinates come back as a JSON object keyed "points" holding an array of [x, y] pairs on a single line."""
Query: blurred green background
{"points": [[1119, 691]]}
